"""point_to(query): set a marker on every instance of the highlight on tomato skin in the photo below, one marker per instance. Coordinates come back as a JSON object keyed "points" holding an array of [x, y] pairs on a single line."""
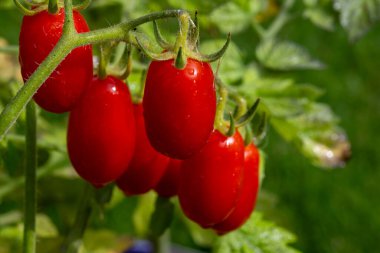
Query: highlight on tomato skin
{"points": [[101, 132], [247, 199], [210, 181], [168, 185], [147, 165], [68, 82], [179, 107]]}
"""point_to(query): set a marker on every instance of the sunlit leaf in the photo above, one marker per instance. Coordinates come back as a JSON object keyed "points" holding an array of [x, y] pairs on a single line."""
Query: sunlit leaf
{"points": [[285, 55], [357, 16], [320, 18], [45, 227], [327, 149], [230, 18], [257, 235]]}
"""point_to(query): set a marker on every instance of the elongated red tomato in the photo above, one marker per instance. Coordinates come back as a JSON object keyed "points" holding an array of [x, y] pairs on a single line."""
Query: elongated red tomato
{"points": [[39, 34], [101, 132], [210, 181], [147, 165], [179, 107], [247, 199], [168, 185]]}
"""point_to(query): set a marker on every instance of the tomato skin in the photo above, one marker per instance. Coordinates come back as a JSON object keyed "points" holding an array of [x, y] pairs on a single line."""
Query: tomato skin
{"points": [[168, 185], [179, 107], [247, 199], [210, 181], [101, 132], [147, 165], [64, 87]]}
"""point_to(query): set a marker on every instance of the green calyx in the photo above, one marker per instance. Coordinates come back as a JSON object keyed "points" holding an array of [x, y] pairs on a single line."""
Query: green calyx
{"points": [[115, 60], [261, 129], [30, 8], [185, 46], [242, 117], [53, 6]]}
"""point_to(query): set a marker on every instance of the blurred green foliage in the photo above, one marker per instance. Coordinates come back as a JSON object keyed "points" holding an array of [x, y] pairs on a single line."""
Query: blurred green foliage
{"points": [[322, 49]]}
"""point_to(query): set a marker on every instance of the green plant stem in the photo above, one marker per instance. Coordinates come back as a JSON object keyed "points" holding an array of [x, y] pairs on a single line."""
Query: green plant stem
{"points": [[162, 244], [69, 40], [74, 239], [53, 6], [29, 242], [13, 110], [280, 20], [220, 123], [9, 50]]}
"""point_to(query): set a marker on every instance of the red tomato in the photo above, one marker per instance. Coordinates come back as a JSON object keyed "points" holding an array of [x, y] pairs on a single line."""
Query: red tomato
{"points": [[147, 165], [168, 184], [247, 199], [39, 34], [179, 107], [210, 181], [101, 132]]}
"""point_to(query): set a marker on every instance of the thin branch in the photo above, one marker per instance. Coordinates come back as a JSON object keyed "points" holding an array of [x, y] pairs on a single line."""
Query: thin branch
{"points": [[29, 242]]}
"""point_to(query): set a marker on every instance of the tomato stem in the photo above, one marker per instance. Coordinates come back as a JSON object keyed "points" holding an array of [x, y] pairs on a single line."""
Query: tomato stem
{"points": [[162, 244], [53, 6], [220, 123], [68, 27], [105, 52], [69, 40], [29, 242], [280, 20], [9, 50], [74, 239], [181, 45]]}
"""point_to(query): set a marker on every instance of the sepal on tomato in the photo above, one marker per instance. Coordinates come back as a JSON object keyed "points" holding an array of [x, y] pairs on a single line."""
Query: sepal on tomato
{"points": [[185, 46]]}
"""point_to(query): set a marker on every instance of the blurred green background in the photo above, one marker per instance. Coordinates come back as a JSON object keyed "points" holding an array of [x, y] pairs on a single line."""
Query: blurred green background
{"points": [[335, 211]]}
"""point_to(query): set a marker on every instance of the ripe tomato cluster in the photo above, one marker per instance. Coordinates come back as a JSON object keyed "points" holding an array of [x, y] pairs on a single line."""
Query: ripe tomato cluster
{"points": [[167, 143]]}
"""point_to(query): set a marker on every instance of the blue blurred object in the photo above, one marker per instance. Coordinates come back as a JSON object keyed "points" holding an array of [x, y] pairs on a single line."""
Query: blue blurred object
{"points": [[140, 246]]}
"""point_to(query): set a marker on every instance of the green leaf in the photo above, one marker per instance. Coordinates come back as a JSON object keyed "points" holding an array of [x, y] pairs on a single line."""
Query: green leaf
{"points": [[257, 235], [285, 107], [296, 116], [357, 16], [161, 217], [5, 4], [120, 208], [230, 17], [310, 2], [316, 116], [320, 18], [103, 241], [285, 55], [327, 149], [12, 217], [277, 88], [45, 227], [143, 212], [200, 236]]}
